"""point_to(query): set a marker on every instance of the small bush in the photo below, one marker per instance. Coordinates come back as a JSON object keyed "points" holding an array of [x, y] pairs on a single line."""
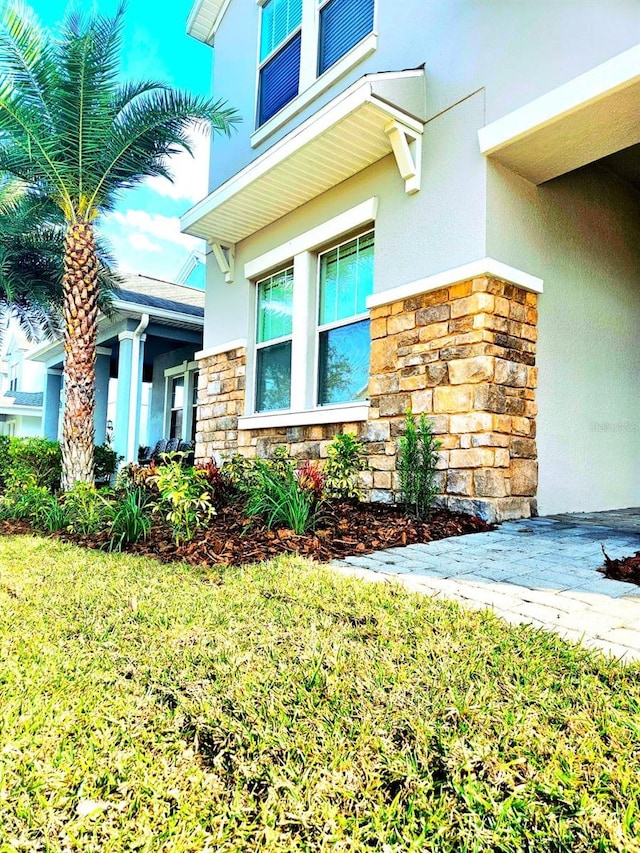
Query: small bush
{"points": [[30, 460], [417, 461], [131, 520], [105, 462], [87, 510], [183, 496], [282, 494], [346, 459]]}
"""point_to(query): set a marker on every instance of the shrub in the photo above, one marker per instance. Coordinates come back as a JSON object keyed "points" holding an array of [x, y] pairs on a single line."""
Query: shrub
{"points": [[183, 496], [131, 521], [87, 510], [30, 460], [417, 461], [280, 494], [346, 459], [105, 462], [27, 501], [218, 485]]}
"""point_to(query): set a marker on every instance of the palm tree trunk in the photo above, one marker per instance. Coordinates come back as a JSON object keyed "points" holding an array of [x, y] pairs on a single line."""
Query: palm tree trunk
{"points": [[80, 288]]}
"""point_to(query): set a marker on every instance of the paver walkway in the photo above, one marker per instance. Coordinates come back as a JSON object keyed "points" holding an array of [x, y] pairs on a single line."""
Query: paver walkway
{"points": [[540, 571]]}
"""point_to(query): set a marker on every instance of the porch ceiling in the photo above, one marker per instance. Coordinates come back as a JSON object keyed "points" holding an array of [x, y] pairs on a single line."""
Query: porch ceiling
{"points": [[352, 132], [590, 117]]}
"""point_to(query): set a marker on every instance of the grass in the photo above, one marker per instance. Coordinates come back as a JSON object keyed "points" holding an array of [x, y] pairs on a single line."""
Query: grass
{"points": [[150, 707]]}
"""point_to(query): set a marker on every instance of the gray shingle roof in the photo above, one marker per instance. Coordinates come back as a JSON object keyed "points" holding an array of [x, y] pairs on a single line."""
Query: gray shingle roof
{"points": [[142, 290], [21, 398]]}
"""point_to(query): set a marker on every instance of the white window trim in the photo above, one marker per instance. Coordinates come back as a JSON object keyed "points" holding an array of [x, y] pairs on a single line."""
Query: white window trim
{"points": [[345, 413], [356, 217], [302, 252], [188, 369], [311, 85]]}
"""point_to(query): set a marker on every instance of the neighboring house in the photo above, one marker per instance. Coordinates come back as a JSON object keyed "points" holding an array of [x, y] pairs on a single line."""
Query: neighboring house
{"points": [[431, 205], [146, 374], [20, 386]]}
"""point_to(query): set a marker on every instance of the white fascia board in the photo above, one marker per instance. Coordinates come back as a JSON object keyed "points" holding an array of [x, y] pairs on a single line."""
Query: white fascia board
{"points": [[346, 103], [31, 411], [603, 80], [360, 215], [219, 349], [204, 19], [132, 309], [475, 269], [349, 413]]}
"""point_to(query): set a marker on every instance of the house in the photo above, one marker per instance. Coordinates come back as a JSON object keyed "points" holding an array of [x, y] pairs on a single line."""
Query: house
{"points": [[146, 373], [432, 205], [20, 386]]}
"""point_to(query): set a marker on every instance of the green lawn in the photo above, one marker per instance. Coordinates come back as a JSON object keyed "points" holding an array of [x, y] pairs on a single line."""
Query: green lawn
{"points": [[147, 707]]}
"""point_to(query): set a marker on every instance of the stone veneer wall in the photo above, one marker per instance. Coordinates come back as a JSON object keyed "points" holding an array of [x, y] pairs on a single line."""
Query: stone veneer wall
{"points": [[464, 355]]}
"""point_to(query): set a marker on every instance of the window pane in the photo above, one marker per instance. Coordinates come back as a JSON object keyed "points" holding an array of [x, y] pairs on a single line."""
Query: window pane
{"points": [[177, 393], [344, 364], [346, 279], [343, 23], [175, 429], [273, 377], [279, 80], [279, 19], [275, 306]]}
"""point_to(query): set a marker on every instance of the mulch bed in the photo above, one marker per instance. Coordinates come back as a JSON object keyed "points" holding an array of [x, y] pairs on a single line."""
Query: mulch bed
{"points": [[627, 569], [346, 528]]}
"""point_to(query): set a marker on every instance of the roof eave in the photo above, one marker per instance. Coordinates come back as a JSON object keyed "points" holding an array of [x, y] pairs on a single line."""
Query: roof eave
{"points": [[204, 19]]}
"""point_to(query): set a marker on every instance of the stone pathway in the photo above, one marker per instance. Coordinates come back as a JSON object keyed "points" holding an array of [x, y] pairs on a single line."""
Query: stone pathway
{"points": [[539, 571]]}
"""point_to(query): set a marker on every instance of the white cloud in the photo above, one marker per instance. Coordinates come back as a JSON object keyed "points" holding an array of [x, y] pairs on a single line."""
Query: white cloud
{"points": [[143, 243], [190, 174], [163, 228]]}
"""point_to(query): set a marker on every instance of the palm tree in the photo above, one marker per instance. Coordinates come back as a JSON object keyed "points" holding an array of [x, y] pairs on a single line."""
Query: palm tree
{"points": [[32, 263], [71, 131]]}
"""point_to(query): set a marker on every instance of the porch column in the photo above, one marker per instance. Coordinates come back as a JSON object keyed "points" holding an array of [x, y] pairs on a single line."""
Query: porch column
{"points": [[103, 359], [123, 395], [51, 403], [136, 403]]}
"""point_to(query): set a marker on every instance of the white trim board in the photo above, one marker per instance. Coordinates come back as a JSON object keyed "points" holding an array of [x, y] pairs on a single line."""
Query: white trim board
{"points": [[360, 215], [475, 269], [587, 118], [310, 417], [219, 349]]}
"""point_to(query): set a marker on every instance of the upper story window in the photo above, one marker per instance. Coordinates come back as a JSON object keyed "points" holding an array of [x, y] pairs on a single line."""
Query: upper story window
{"points": [[300, 40], [13, 377]]}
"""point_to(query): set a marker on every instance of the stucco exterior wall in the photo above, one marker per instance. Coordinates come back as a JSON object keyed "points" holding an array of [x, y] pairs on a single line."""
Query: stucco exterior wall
{"points": [[440, 227], [581, 234], [466, 46]]}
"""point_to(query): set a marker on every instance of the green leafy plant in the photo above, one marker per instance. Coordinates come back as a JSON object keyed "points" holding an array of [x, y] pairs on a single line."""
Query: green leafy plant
{"points": [[30, 460], [346, 459], [131, 520], [417, 459], [184, 497], [87, 510], [105, 462], [282, 494]]}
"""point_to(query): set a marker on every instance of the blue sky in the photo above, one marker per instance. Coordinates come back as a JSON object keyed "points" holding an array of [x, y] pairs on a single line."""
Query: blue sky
{"points": [[144, 231]]}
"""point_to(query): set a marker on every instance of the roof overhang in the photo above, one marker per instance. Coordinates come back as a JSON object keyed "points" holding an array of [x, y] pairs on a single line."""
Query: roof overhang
{"points": [[591, 116], [375, 117], [23, 411], [204, 19]]}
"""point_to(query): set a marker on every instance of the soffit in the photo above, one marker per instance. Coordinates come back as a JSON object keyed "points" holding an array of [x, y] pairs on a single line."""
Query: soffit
{"points": [[590, 117], [351, 133], [204, 19]]}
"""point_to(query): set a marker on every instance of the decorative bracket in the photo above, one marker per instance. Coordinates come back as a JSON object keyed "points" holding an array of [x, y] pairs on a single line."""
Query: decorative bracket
{"points": [[407, 148], [226, 259]]}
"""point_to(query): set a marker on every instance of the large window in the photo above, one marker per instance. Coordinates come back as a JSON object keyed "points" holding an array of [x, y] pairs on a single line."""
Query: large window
{"points": [[280, 42], [312, 339], [346, 279], [300, 40], [273, 342]]}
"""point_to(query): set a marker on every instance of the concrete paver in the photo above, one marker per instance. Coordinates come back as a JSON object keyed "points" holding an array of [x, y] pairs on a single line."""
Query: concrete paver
{"points": [[540, 571]]}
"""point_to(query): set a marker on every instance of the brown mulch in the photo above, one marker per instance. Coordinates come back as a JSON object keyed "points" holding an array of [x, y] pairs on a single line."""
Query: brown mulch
{"points": [[345, 528], [627, 569]]}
